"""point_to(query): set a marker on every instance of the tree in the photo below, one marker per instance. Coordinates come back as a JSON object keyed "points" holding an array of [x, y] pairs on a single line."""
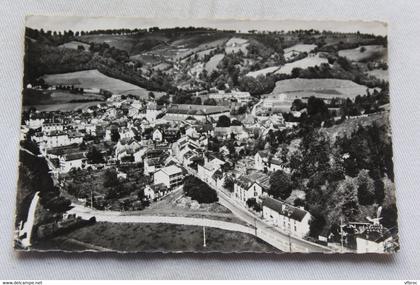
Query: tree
{"points": [[199, 191], [253, 204], [115, 135], [280, 185], [94, 156], [223, 122], [210, 101], [344, 203], [297, 105], [110, 178], [229, 183], [366, 188]]}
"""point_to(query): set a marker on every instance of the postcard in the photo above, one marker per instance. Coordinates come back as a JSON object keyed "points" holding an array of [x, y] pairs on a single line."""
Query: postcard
{"points": [[205, 135]]}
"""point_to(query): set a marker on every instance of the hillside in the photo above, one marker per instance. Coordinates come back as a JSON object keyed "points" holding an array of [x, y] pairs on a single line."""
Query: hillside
{"points": [[349, 126], [300, 87], [364, 53], [95, 79]]}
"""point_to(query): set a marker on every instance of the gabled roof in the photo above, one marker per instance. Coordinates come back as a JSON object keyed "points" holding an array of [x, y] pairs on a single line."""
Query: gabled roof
{"points": [[74, 156], [284, 209]]}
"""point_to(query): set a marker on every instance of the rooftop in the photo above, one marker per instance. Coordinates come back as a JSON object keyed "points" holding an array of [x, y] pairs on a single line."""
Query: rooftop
{"points": [[196, 109], [171, 170], [285, 209]]}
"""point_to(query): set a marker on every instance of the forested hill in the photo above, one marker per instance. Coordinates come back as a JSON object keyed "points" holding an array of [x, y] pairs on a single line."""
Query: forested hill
{"points": [[181, 60]]}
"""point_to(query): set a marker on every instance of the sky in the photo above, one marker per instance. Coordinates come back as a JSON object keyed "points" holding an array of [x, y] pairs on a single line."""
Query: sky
{"points": [[61, 23]]}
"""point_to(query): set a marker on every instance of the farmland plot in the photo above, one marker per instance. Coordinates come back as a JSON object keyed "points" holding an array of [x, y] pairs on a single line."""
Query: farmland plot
{"points": [[364, 53], [95, 79], [321, 88]]}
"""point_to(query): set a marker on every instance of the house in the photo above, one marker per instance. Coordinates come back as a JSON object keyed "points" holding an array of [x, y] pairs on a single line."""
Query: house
{"points": [[154, 159], [48, 127], [69, 161], [290, 219], [171, 176], [152, 111], [265, 162], [155, 191], [206, 172], [180, 112], [157, 135], [375, 238], [251, 186]]}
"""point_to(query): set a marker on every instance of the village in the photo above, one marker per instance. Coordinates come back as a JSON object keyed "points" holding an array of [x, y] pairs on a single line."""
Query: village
{"points": [[149, 149]]}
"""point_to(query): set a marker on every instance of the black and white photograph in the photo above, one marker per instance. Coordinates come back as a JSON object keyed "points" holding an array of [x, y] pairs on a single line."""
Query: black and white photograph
{"points": [[205, 135]]}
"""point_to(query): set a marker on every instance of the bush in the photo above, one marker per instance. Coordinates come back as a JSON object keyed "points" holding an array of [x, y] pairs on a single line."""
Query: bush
{"points": [[199, 191]]}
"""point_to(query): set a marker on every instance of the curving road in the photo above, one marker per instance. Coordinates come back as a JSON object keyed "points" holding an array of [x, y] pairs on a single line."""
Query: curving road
{"points": [[118, 217]]}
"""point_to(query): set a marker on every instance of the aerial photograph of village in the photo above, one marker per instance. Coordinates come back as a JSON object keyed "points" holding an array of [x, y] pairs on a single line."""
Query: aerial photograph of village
{"points": [[203, 138]]}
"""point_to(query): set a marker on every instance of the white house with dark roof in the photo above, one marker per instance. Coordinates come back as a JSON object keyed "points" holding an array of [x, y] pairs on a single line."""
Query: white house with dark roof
{"points": [[171, 176], [288, 218], [206, 172], [71, 161], [251, 186]]}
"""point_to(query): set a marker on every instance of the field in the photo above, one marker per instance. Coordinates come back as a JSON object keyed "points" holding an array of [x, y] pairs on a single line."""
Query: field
{"points": [[65, 107], [324, 88], [380, 74], [213, 62], [237, 44], [134, 237], [288, 67], [372, 52], [300, 48], [95, 79], [74, 45], [302, 63]]}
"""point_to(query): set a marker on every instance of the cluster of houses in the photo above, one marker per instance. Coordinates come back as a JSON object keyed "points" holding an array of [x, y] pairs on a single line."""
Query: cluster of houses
{"points": [[171, 141]]}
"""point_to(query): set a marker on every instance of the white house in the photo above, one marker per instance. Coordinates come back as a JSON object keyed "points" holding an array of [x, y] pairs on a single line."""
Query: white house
{"points": [[206, 172], [171, 176], [155, 191], [70, 161], [292, 220], [152, 112], [373, 241], [250, 186], [46, 128], [263, 161], [157, 135]]}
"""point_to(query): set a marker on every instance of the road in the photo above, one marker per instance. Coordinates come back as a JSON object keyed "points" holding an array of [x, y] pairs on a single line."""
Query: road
{"points": [[118, 217], [270, 234], [254, 108]]}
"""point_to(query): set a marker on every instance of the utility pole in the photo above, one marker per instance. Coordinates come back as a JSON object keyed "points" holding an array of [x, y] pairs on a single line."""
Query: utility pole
{"points": [[255, 225], [204, 237], [342, 234], [91, 199], [290, 241]]}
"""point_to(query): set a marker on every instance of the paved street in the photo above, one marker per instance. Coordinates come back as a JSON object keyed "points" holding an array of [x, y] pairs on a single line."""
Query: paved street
{"points": [[117, 217]]}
